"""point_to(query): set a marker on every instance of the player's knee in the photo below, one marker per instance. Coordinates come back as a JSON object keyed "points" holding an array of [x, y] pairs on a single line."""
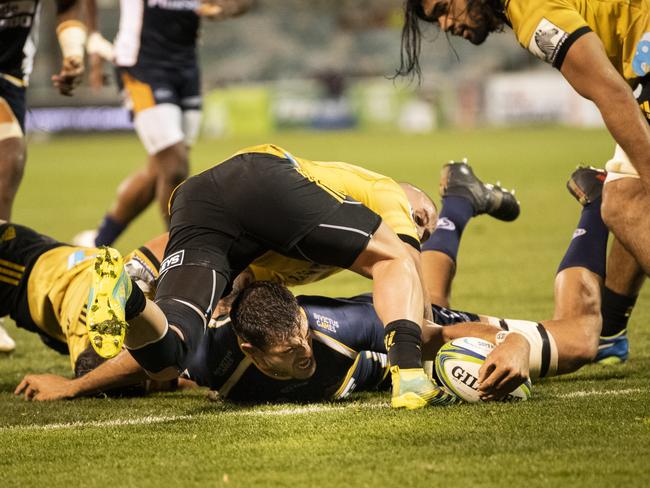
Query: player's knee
{"points": [[165, 358], [618, 197]]}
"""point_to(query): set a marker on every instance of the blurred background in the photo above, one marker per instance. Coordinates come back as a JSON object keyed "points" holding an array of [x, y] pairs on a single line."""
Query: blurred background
{"points": [[323, 65]]}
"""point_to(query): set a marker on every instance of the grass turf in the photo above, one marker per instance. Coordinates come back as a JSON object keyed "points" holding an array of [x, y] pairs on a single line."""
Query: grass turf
{"points": [[591, 428]]}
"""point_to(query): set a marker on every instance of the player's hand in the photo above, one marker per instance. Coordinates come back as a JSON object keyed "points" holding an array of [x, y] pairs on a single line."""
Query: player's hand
{"points": [[505, 368], [70, 75], [413, 389], [45, 387], [223, 9]]}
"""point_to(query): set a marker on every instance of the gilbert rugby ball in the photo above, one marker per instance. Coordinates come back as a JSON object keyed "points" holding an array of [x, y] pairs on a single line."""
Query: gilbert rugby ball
{"points": [[457, 364]]}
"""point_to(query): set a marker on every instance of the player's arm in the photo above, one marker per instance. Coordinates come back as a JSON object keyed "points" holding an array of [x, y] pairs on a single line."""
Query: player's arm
{"points": [[71, 33], [588, 69], [120, 371], [97, 47], [157, 246]]}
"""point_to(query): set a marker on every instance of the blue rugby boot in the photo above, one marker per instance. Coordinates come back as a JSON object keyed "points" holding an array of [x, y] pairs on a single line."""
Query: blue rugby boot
{"points": [[614, 349], [109, 291], [458, 179]]}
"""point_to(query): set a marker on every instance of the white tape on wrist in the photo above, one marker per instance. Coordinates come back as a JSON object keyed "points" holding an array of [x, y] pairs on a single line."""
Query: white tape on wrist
{"points": [[72, 38], [98, 44], [543, 350]]}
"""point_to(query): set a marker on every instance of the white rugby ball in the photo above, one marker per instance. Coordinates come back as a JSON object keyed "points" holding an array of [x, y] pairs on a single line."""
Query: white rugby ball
{"points": [[457, 365]]}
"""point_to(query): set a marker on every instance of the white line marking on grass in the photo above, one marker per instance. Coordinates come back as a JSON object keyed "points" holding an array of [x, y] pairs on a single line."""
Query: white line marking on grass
{"points": [[581, 394], [153, 419], [149, 419]]}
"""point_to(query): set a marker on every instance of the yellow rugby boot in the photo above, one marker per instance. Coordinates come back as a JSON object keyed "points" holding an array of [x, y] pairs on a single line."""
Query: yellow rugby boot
{"points": [[413, 389], [111, 287]]}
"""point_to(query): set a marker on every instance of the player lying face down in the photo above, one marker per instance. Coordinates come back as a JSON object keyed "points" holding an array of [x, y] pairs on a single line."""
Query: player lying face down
{"points": [[272, 329], [228, 216]]}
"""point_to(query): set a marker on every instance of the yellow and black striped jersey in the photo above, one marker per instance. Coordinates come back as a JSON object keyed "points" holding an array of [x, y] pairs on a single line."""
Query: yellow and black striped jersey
{"points": [[58, 287], [379, 193], [547, 28]]}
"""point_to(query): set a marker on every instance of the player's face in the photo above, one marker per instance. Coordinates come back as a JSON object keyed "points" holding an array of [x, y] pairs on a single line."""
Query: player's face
{"points": [[454, 16], [292, 358]]}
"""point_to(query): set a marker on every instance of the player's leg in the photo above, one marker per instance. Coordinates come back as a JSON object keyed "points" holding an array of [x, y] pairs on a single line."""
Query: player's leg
{"points": [[622, 286], [12, 144], [463, 197], [159, 123], [626, 206]]}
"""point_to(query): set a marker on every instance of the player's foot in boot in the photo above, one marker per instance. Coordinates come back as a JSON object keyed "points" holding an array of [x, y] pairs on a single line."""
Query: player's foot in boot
{"points": [[413, 389], [458, 179], [111, 287], [586, 184], [614, 349]]}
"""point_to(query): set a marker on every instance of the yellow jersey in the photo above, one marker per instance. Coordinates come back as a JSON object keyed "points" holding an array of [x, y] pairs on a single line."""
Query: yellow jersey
{"points": [[548, 28], [379, 193], [58, 287]]}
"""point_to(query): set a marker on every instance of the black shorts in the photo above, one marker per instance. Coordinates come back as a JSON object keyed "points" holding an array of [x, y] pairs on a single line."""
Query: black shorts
{"points": [[20, 247], [227, 216], [179, 86], [15, 98]]}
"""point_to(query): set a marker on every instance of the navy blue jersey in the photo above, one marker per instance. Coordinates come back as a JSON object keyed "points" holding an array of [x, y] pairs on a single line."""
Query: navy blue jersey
{"points": [[18, 36], [348, 343], [157, 33]]}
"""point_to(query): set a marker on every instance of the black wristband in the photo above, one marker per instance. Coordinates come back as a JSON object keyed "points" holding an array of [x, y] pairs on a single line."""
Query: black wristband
{"points": [[135, 303], [403, 339]]}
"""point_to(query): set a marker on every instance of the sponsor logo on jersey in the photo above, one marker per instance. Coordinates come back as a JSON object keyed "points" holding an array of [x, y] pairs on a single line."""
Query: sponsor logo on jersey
{"points": [[326, 323], [445, 224], [578, 232], [175, 4], [17, 14], [175, 259], [547, 40], [641, 60]]}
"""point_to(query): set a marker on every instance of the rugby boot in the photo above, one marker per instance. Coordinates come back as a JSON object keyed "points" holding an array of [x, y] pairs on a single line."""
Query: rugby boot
{"points": [[111, 287], [586, 184], [614, 349], [413, 389], [458, 179]]}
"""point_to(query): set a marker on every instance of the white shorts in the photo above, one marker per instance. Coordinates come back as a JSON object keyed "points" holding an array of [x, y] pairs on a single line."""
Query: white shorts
{"points": [[620, 166]]}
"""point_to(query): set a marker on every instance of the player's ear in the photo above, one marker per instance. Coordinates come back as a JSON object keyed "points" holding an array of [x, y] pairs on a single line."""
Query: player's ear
{"points": [[250, 349]]}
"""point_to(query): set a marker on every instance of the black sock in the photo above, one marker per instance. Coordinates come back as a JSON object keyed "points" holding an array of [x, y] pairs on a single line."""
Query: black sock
{"points": [[135, 303], [403, 342], [616, 310], [108, 232], [454, 215], [588, 247]]}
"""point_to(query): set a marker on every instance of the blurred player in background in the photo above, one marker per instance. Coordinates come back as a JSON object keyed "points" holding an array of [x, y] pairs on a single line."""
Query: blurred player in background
{"points": [[603, 51], [155, 53], [19, 21]]}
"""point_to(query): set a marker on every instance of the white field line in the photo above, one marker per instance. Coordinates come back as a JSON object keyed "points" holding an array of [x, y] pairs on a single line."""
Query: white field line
{"points": [[581, 394], [153, 419]]}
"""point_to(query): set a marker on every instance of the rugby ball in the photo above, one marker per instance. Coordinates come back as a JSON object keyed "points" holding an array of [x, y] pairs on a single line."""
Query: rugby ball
{"points": [[457, 364]]}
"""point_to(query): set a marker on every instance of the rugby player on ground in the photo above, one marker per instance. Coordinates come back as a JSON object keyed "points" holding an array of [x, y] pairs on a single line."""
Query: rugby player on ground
{"points": [[260, 356], [155, 52], [603, 50], [264, 199], [18, 38], [266, 356]]}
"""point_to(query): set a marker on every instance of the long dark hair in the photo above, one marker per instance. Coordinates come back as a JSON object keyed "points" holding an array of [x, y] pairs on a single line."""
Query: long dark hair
{"points": [[488, 12]]}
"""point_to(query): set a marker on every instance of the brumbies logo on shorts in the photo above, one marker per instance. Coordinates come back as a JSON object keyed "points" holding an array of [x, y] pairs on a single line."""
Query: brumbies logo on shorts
{"points": [[175, 259], [547, 41]]}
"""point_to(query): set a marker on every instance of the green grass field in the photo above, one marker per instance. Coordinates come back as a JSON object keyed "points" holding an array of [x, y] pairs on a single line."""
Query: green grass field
{"points": [[591, 428]]}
